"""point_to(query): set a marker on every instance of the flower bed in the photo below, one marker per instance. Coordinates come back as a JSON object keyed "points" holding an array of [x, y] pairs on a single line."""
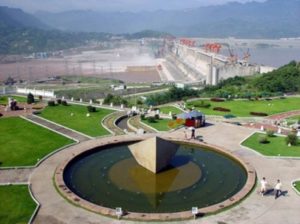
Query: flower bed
{"points": [[222, 109], [261, 114], [217, 100]]}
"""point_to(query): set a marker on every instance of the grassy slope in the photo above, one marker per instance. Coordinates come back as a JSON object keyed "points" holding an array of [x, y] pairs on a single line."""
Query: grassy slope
{"points": [[23, 143], [79, 121], [167, 109], [243, 108], [16, 205], [277, 146]]}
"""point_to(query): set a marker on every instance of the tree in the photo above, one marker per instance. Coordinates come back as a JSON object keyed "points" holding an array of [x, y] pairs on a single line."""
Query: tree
{"points": [[30, 98], [292, 139]]}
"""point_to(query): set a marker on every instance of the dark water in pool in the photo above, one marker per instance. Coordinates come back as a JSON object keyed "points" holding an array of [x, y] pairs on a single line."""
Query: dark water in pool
{"points": [[196, 177]]}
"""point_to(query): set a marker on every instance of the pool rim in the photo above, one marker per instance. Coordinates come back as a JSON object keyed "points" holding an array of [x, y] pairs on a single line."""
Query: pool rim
{"points": [[70, 196]]}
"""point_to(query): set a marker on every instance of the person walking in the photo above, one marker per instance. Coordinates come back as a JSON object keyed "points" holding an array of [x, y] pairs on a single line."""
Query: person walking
{"points": [[193, 133], [278, 189], [263, 187]]}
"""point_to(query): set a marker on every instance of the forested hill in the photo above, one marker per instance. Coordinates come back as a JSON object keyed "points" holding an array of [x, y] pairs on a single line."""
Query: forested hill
{"points": [[22, 33], [11, 17], [268, 19], [286, 79]]}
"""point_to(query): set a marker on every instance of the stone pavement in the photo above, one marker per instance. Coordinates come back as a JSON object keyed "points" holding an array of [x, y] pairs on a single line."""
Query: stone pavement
{"points": [[58, 128], [15, 175], [254, 209]]}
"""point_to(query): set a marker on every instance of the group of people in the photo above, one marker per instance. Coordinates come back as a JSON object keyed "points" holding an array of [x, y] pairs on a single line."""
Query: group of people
{"points": [[277, 187]]}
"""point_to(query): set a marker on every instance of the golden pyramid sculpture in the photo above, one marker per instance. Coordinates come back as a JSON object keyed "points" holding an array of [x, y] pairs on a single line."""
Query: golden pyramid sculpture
{"points": [[154, 153]]}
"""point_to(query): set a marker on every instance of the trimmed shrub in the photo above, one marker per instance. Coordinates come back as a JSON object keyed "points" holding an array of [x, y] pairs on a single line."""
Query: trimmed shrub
{"points": [[40, 98], [30, 98], [64, 103], [222, 109], [143, 116], [1, 115], [229, 116], [174, 116], [270, 133], [263, 140], [51, 103], [217, 100], [151, 119], [91, 109], [261, 114], [58, 101], [292, 139], [202, 104], [156, 116]]}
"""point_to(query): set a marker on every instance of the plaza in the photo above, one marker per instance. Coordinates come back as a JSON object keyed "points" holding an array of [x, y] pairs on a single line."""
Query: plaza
{"points": [[53, 207]]}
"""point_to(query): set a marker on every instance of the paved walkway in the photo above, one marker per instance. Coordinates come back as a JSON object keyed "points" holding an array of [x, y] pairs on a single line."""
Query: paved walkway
{"points": [[254, 209], [58, 128], [284, 115], [15, 175]]}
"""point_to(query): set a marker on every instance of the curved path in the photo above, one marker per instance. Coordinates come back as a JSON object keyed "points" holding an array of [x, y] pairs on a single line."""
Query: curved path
{"points": [[254, 209], [284, 115]]}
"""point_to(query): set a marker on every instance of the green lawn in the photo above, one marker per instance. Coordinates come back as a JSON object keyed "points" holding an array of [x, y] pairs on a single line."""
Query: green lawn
{"points": [[79, 121], [16, 205], [242, 108], [167, 109], [276, 146], [161, 124], [23, 143], [4, 99], [297, 185]]}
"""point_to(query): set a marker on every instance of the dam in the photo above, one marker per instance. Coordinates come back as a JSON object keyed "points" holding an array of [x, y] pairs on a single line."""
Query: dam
{"points": [[190, 64]]}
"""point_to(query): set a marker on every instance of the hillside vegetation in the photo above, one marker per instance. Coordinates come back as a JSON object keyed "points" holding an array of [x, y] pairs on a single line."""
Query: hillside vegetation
{"points": [[286, 79]]}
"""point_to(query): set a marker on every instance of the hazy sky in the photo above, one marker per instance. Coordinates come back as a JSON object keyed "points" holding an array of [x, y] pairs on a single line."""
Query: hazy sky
{"points": [[110, 5]]}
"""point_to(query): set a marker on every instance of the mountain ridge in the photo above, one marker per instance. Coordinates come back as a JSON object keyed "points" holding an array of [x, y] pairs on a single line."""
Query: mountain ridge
{"points": [[252, 20]]}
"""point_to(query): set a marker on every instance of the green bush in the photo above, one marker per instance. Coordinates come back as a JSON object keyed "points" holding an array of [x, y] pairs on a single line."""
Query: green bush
{"points": [[156, 116], [30, 98], [58, 101], [91, 109], [151, 119], [143, 116], [263, 140], [270, 133], [51, 103], [202, 104], [292, 139]]}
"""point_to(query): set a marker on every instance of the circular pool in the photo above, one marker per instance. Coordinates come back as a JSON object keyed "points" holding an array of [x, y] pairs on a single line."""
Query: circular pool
{"points": [[108, 177]]}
